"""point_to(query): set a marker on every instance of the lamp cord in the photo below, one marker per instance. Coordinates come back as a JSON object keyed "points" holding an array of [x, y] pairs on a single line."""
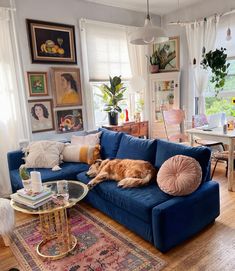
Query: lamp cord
{"points": [[148, 16]]}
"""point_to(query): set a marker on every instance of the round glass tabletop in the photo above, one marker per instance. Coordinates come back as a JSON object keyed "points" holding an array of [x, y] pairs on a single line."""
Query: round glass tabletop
{"points": [[76, 192]]}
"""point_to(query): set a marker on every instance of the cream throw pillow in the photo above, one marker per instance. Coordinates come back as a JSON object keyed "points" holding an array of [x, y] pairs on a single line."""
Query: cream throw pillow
{"points": [[92, 139], [43, 154], [81, 153], [180, 175]]}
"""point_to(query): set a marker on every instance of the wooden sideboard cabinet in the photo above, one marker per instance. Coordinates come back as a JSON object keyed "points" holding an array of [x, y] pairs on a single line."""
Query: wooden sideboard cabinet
{"points": [[138, 129]]}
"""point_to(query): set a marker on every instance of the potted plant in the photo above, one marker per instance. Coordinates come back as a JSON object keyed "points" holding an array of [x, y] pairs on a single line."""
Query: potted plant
{"points": [[112, 95], [154, 63], [25, 177], [170, 98], [216, 61]]}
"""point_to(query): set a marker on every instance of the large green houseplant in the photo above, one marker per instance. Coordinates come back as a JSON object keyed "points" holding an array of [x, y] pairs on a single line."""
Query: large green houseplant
{"points": [[112, 94], [216, 61]]}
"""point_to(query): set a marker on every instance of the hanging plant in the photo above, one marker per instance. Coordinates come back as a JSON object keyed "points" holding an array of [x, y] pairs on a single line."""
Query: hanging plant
{"points": [[216, 60]]}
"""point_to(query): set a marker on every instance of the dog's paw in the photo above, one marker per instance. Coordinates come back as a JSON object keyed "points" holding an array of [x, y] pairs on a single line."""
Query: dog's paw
{"points": [[90, 185]]}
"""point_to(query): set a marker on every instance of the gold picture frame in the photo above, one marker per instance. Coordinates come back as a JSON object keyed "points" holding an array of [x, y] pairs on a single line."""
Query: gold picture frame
{"points": [[66, 86], [169, 54], [37, 83]]}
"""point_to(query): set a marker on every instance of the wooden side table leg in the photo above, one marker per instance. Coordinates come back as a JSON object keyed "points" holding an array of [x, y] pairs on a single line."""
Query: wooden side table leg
{"points": [[6, 240], [231, 184]]}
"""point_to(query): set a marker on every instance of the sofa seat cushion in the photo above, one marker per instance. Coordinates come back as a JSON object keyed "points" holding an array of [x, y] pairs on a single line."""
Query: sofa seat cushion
{"points": [[166, 150], [109, 142], [137, 148], [137, 201], [68, 171]]}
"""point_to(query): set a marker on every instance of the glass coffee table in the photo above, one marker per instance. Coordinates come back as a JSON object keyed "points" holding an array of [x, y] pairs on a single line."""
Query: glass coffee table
{"points": [[57, 240]]}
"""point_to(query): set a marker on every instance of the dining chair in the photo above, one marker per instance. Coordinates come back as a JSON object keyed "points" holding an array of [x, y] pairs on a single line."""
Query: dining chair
{"points": [[198, 121], [174, 125]]}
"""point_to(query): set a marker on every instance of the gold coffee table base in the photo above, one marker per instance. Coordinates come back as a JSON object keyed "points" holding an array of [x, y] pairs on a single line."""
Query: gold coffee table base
{"points": [[56, 234], [57, 256]]}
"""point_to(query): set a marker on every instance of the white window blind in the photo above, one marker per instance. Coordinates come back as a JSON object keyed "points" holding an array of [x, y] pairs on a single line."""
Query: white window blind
{"points": [[107, 51]]}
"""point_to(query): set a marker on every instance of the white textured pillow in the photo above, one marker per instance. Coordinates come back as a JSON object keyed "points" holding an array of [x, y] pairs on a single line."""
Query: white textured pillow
{"points": [[43, 154], [92, 139]]}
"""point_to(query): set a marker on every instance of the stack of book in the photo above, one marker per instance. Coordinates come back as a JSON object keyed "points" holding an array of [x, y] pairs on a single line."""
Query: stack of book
{"points": [[30, 199]]}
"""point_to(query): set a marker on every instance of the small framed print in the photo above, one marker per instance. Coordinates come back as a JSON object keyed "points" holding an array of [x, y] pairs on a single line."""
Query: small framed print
{"points": [[41, 115], [169, 54], [51, 42], [66, 86], [37, 82], [69, 120]]}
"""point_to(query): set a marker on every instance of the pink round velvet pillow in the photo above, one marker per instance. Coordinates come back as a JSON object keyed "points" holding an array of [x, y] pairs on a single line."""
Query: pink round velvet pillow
{"points": [[180, 175]]}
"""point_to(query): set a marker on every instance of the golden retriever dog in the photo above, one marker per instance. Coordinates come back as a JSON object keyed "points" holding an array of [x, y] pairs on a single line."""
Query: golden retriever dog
{"points": [[127, 172]]}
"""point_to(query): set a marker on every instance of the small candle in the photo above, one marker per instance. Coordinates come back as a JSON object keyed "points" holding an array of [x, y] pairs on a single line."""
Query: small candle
{"points": [[36, 181]]}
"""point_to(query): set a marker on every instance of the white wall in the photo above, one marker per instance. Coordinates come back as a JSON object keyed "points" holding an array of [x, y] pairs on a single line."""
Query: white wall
{"points": [[67, 12], [197, 11]]}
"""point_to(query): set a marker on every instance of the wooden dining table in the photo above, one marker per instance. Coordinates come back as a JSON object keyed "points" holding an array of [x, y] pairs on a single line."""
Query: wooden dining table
{"points": [[217, 134]]}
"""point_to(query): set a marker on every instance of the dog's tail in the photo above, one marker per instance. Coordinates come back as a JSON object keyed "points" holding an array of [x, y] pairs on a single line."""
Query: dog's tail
{"points": [[135, 182]]}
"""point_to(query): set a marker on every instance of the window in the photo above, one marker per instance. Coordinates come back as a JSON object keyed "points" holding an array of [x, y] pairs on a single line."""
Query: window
{"points": [[107, 55], [224, 101]]}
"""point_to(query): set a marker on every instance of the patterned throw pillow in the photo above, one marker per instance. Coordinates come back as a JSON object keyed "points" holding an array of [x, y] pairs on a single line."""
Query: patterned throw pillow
{"points": [[180, 175], [92, 139], [81, 153], [43, 154]]}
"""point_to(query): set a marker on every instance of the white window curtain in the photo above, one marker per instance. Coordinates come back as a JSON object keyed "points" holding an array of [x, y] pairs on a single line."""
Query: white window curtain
{"points": [[201, 34], [138, 64], [13, 124]]}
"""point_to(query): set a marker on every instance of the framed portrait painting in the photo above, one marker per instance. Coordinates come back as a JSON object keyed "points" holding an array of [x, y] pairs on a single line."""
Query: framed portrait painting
{"points": [[37, 82], [69, 120], [41, 115], [51, 42], [66, 86], [168, 53]]}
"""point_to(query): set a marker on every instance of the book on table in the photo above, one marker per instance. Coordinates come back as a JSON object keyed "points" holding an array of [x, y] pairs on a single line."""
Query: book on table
{"points": [[33, 196], [31, 203]]}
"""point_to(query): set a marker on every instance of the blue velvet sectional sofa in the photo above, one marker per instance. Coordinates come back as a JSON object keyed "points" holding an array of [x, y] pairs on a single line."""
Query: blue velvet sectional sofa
{"points": [[159, 218]]}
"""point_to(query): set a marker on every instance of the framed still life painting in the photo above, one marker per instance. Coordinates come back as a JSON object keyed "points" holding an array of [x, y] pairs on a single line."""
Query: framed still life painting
{"points": [[69, 120], [41, 115], [168, 53], [37, 82], [51, 42], [66, 86]]}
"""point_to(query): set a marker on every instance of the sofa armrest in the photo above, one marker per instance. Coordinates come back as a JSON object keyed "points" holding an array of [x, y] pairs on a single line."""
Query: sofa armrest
{"points": [[14, 159], [179, 218]]}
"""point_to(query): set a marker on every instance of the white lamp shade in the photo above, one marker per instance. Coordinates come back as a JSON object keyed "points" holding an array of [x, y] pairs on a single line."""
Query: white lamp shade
{"points": [[148, 34]]}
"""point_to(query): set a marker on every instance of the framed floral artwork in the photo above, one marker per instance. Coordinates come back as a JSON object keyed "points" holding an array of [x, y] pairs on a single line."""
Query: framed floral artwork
{"points": [[168, 54], [66, 86], [51, 42], [37, 82], [69, 120], [41, 115]]}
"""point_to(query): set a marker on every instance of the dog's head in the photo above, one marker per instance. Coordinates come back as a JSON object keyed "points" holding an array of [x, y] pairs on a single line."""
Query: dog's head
{"points": [[94, 168]]}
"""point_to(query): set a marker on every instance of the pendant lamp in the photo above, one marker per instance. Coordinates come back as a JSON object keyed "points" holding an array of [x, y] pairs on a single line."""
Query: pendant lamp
{"points": [[148, 34]]}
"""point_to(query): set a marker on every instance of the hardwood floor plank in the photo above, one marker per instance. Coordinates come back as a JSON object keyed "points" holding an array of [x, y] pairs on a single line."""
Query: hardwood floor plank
{"points": [[213, 249]]}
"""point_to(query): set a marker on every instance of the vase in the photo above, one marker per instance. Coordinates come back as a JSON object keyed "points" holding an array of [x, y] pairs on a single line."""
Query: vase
{"points": [[154, 68], [113, 118]]}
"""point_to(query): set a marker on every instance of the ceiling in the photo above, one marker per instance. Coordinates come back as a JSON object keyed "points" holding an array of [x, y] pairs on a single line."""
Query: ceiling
{"points": [[159, 7]]}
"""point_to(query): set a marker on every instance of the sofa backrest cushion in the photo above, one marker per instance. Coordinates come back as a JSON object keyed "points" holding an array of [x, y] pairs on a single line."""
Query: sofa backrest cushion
{"points": [[137, 148], [166, 149], [109, 142]]}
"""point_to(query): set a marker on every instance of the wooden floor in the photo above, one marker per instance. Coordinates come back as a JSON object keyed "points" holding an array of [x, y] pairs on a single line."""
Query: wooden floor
{"points": [[213, 249]]}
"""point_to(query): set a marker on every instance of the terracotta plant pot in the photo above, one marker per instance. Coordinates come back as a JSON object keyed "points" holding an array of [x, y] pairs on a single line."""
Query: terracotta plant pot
{"points": [[154, 68]]}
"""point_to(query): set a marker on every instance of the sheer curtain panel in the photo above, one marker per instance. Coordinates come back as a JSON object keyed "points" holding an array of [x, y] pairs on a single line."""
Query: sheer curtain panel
{"points": [[201, 34], [13, 121]]}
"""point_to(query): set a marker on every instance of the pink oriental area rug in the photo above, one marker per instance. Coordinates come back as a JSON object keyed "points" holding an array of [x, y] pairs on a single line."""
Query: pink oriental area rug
{"points": [[100, 248]]}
